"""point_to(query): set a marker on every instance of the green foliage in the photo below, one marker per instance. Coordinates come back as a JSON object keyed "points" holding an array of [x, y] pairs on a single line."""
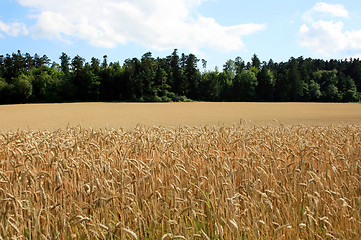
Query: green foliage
{"points": [[256, 63], [244, 86], [229, 68], [266, 83], [295, 81], [210, 86], [314, 90], [5, 90], [26, 78], [23, 87]]}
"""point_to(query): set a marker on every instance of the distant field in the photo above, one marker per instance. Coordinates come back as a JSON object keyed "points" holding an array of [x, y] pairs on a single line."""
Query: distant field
{"points": [[128, 115]]}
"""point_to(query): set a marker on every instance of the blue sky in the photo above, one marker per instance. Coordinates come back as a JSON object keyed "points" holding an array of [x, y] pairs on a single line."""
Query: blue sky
{"points": [[211, 29]]}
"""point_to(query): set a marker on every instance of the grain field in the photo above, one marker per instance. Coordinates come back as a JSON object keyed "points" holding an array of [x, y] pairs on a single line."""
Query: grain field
{"points": [[182, 182], [197, 114]]}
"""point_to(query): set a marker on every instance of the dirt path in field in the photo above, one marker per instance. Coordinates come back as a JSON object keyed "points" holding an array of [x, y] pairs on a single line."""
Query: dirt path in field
{"points": [[128, 115]]}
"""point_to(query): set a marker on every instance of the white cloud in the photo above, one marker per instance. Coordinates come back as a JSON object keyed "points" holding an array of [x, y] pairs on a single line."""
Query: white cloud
{"points": [[336, 10], [159, 24], [13, 29], [323, 37], [322, 10], [328, 37]]}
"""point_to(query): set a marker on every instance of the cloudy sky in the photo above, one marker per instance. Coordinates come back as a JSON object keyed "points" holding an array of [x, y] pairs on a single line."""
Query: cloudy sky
{"points": [[215, 30]]}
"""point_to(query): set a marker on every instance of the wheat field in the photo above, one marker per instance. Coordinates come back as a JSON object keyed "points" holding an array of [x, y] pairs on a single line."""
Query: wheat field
{"points": [[196, 114], [185, 182]]}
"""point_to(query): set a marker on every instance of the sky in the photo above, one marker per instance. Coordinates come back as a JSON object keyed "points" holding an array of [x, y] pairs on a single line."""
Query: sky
{"points": [[214, 30]]}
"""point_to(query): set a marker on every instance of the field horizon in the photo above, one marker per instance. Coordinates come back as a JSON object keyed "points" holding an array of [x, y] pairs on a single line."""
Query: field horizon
{"points": [[54, 116]]}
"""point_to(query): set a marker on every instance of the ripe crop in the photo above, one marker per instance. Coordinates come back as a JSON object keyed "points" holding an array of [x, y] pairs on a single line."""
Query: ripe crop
{"points": [[234, 182]]}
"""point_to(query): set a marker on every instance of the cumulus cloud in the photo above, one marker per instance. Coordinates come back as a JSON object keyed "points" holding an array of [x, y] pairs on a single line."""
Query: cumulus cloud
{"points": [[328, 37], [13, 29], [159, 24], [336, 10]]}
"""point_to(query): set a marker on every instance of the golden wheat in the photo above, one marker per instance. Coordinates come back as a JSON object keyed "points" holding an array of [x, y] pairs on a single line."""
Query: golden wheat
{"points": [[286, 182]]}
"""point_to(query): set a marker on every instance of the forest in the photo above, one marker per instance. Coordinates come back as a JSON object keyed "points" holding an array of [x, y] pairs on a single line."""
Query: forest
{"points": [[177, 77]]}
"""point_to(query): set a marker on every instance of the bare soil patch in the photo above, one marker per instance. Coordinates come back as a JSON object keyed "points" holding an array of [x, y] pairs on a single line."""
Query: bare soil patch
{"points": [[128, 115]]}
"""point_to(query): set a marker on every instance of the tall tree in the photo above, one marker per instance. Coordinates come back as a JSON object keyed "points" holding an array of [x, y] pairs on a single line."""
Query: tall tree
{"points": [[294, 78], [176, 78], [18, 64], [282, 85], [348, 88], [256, 62], [229, 68], [265, 87], [77, 76], [77, 63], [5, 91], [204, 65], [354, 71], [239, 64], [328, 81], [64, 63], [314, 93], [147, 75], [105, 61], [23, 87], [210, 87], [192, 76], [133, 86], [244, 86], [95, 65]]}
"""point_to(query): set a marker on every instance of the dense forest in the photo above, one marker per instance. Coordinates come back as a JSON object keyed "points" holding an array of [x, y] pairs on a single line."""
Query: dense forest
{"points": [[177, 77]]}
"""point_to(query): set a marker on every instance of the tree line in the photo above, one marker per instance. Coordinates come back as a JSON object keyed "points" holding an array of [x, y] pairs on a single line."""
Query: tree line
{"points": [[177, 77]]}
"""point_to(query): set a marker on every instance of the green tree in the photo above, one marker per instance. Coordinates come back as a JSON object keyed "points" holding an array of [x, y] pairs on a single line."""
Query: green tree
{"points": [[225, 86], [2, 67], [64, 63], [204, 65], [95, 65], [41, 84], [29, 62], [295, 81], [18, 63], [256, 62], [176, 79], [210, 87], [229, 68], [265, 87], [105, 61], [332, 93], [5, 91], [77, 63], [134, 87], [54, 88], [328, 81], [91, 83], [282, 85], [112, 83], [239, 64], [146, 77], [244, 86], [79, 79], [314, 91], [23, 87], [161, 85], [192, 76], [348, 89], [353, 69]]}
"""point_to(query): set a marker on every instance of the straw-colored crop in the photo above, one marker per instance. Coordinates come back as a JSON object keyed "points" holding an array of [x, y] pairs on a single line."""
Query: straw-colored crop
{"points": [[276, 182]]}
